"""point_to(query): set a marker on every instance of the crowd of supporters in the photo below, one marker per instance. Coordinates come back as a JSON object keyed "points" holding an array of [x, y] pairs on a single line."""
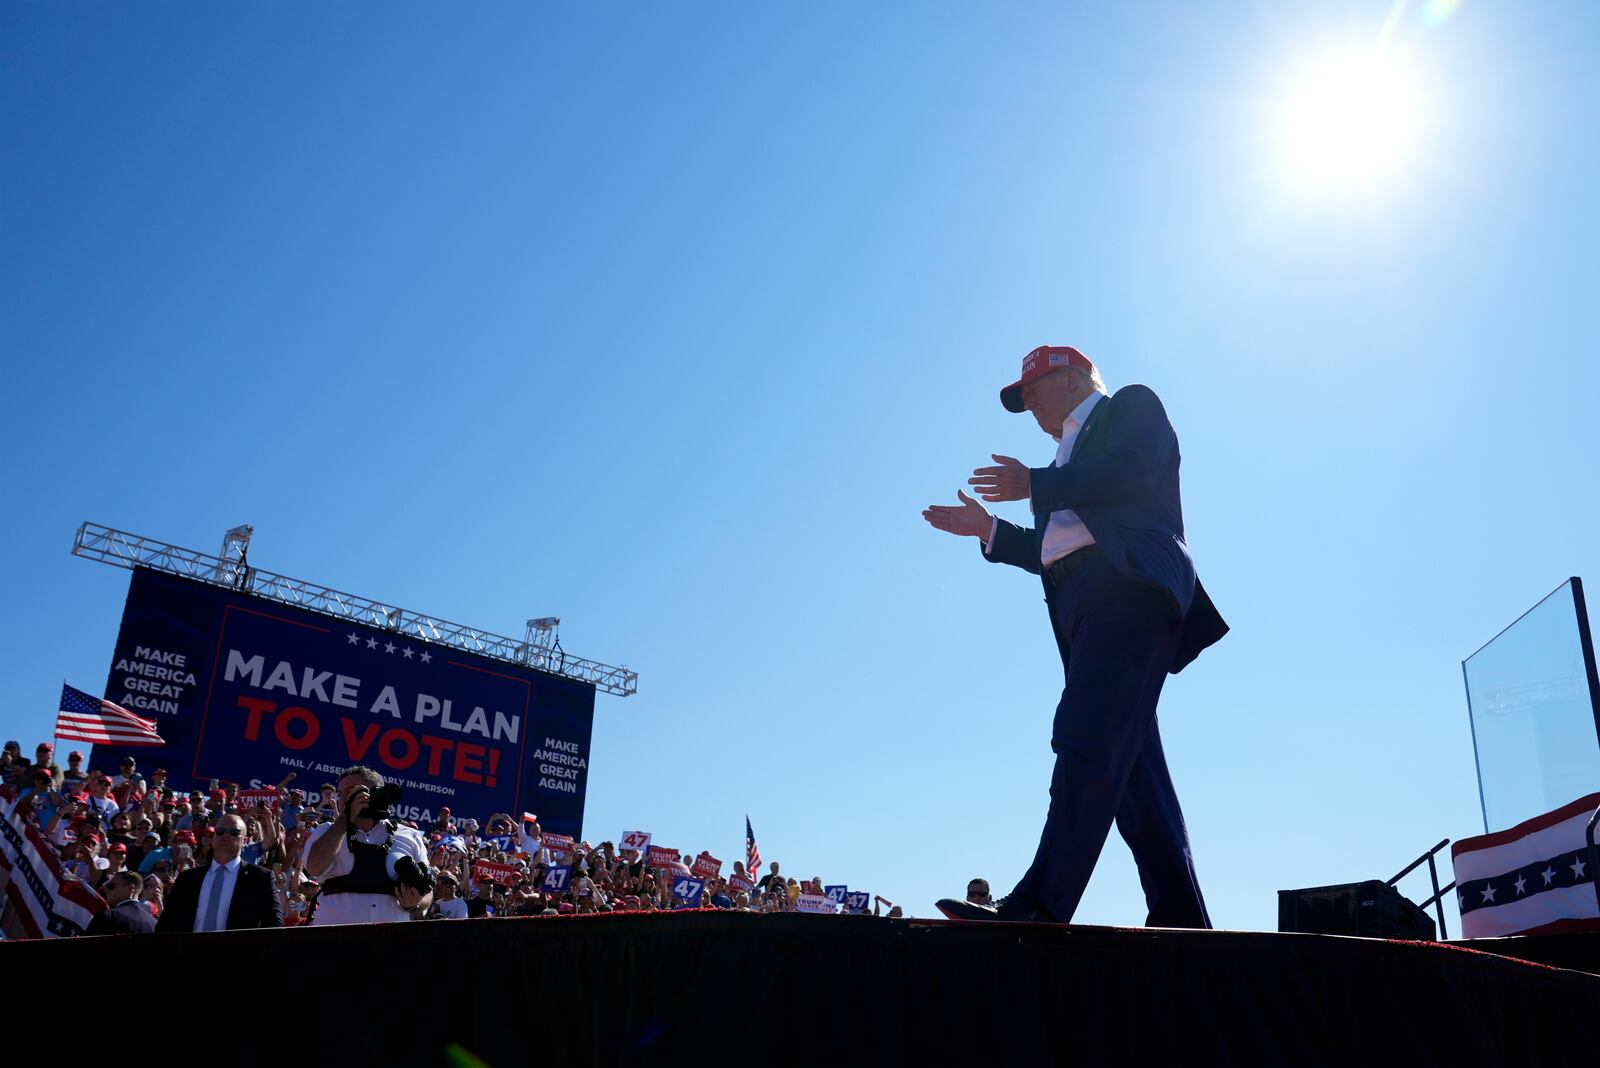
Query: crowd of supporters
{"points": [[106, 828]]}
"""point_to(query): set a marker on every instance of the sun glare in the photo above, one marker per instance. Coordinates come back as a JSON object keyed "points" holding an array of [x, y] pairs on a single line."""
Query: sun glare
{"points": [[1350, 120]]}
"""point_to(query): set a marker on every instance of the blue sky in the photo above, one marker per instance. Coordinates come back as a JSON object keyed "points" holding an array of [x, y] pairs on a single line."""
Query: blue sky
{"points": [[671, 322]]}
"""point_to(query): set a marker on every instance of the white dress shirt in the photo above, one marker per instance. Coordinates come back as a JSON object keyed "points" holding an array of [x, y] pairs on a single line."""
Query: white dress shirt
{"points": [[1065, 533], [229, 874]]}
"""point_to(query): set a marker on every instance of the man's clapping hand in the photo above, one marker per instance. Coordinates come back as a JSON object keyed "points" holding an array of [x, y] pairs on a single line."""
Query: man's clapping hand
{"points": [[968, 519], [1008, 482]]}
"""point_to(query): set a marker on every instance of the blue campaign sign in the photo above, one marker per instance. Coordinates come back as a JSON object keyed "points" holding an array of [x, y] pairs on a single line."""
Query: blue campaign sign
{"points": [[502, 842], [556, 880], [836, 894], [686, 892], [855, 902], [247, 690]]}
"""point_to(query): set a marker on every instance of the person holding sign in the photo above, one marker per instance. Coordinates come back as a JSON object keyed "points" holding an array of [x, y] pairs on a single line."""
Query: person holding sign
{"points": [[1126, 608]]}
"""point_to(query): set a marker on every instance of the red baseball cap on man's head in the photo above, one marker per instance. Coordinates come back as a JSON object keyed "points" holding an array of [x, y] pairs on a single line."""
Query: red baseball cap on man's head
{"points": [[1038, 363]]}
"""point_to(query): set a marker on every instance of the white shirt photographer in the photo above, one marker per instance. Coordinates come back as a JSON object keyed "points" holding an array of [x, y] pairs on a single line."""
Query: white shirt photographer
{"points": [[365, 908]]}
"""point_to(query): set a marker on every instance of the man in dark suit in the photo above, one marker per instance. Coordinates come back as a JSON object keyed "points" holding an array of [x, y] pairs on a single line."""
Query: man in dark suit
{"points": [[125, 913], [227, 894], [1126, 607]]}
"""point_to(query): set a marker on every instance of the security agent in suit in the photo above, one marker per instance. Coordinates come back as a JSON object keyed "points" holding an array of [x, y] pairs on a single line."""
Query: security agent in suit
{"points": [[227, 894], [125, 913], [1127, 610]]}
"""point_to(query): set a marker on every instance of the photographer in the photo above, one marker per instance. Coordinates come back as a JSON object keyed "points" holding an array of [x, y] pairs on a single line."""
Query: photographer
{"points": [[372, 869]]}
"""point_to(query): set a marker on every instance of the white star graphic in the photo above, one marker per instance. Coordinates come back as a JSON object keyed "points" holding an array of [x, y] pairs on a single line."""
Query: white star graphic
{"points": [[354, 637], [1577, 867], [372, 643], [1519, 884], [407, 652], [1549, 875], [425, 657], [389, 648], [1488, 893]]}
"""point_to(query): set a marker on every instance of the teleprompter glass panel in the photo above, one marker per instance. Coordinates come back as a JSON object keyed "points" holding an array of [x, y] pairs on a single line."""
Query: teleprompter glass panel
{"points": [[1530, 692]]}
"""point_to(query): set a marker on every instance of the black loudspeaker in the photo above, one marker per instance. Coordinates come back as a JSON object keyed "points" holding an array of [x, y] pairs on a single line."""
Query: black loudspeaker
{"points": [[1371, 909]]}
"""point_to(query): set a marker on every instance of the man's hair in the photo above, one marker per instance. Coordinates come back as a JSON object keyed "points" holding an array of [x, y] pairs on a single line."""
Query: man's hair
{"points": [[367, 775], [979, 884], [1094, 378], [129, 877]]}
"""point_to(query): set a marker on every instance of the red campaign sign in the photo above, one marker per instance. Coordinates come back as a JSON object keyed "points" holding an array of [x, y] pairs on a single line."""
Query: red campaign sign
{"points": [[557, 843], [706, 866], [662, 857], [489, 871], [249, 799], [739, 882], [638, 841]]}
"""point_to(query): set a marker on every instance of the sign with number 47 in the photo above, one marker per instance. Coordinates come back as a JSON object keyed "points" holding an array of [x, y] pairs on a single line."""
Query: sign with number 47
{"points": [[686, 892]]}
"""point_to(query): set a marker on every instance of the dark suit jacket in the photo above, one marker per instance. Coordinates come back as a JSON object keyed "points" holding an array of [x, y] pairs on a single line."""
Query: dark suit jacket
{"points": [[255, 900], [1122, 481], [130, 917]]}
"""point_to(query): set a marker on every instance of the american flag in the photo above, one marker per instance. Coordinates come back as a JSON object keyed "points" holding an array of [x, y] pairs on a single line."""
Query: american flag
{"points": [[752, 855], [90, 719]]}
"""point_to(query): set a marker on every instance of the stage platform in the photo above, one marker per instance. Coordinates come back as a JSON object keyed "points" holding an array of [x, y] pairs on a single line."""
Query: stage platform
{"points": [[716, 987]]}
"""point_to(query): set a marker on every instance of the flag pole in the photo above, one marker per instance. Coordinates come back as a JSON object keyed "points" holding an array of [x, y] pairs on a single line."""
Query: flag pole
{"points": [[55, 736]]}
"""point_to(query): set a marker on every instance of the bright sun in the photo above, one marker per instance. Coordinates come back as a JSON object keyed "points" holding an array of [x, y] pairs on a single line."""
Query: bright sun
{"points": [[1351, 119]]}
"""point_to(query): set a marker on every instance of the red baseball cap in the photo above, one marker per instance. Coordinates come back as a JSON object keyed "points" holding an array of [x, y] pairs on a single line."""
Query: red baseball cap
{"points": [[1038, 363]]}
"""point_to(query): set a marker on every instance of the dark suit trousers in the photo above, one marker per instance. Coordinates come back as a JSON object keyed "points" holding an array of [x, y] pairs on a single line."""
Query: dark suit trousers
{"points": [[1117, 640]]}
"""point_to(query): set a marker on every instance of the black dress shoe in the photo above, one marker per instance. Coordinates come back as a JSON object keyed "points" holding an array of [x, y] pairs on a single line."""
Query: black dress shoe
{"points": [[1019, 909], [965, 910], [1014, 908]]}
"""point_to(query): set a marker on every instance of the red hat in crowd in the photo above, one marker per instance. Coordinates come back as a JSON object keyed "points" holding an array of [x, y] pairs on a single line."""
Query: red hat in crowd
{"points": [[119, 848], [74, 755], [185, 836], [1038, 363], [47, 747]]}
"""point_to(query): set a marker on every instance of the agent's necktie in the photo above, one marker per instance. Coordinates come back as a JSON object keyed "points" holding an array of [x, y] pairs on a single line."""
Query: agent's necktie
{"points": [[214, 903]]}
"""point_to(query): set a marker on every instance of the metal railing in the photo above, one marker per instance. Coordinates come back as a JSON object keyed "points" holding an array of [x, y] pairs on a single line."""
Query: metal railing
{"points": [[1437, 900], [122, 549]]}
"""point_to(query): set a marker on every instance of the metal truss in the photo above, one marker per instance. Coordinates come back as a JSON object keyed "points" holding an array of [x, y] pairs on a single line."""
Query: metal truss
{"points": [[540, 649]]}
